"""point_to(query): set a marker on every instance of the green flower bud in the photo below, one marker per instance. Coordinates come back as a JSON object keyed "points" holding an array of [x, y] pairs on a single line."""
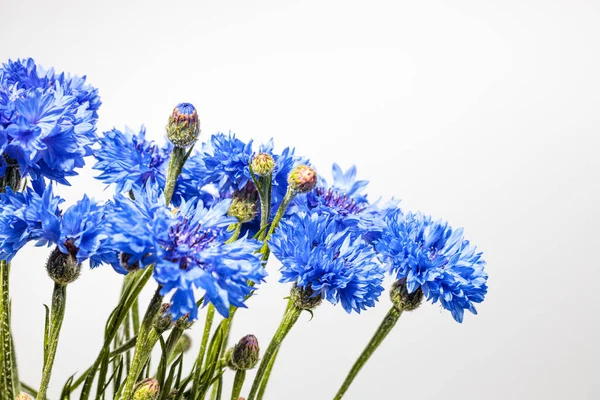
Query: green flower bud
{"points": [[63, 268], [183, 344], [164, 319], [147, 389], [184, 322], [304, 297], [244, 355], [263, 164], [244, 204], [184, 126], [302, 179], [402, 300]]}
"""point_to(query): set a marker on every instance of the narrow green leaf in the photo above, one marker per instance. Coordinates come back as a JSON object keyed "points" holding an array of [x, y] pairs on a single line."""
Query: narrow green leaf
{"points": [[65, 394]]}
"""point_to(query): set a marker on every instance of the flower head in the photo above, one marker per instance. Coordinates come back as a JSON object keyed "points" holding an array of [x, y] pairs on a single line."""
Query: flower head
{"points": [[345, 201], [196, 254], [189, 249], [47, 120], [334, 264], [127, 159], [435, 258], [226, 159], [34, 215], [136, 226]]}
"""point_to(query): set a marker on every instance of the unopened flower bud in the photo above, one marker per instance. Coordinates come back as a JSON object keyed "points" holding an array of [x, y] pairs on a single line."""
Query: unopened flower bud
{"points": [[184, 322], [244, 204], [147, 389], [244, 355], [164, 319], [124, 260], [184, 125], [302, 179], [402, 300], [263, 164], [62, 268], [305, 298], [183, 344], [23, 396]]}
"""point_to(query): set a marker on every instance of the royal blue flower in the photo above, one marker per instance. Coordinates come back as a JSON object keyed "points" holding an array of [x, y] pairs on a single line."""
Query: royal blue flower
{"points": [[128, 159], [196, 255], [226, 161], [345, 202], [337, 265], [188, 247], [433, 256], [34, 215], [221, 168], [48, 120], [25, 216], [135, 226]]}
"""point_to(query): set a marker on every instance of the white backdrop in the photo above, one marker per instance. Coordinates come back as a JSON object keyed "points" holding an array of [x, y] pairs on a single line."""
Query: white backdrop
{"points": [[483, 113]]}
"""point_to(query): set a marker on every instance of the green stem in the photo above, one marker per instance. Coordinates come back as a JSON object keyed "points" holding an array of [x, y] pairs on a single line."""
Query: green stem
{"points": [[292, 313], [130, 344], [9, 387], [147, 338], [59, 300], [289, 196], [386, 326], [263, 385], [238, 382], [178, 157], [113, 324], [210, 314], [265, 204]]}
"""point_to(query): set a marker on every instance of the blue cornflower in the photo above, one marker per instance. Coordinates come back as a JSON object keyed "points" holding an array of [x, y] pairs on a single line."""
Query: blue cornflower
{"points": [[128, 159], [196, 255], [221, 169], [135, 227], [34, 215], [436, 258], [47, 119], [337, 265], [226, 159], [188, 247], [345, 202]]}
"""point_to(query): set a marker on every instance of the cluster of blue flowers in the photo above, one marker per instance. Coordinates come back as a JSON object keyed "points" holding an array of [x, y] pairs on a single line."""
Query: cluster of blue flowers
{"points": [[330, 239], [47, 121]]}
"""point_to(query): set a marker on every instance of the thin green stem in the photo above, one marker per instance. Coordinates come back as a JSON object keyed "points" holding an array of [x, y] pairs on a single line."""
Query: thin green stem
{"points": [[384, 329], [238, 383], [289, 196], [265, 203], [292, 313], [59, 300], [263, 384], [210, 314], [147, 338], [178, 158], [9, 386]]}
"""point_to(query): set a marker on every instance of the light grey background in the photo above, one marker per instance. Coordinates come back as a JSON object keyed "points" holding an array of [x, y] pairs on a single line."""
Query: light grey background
{"points": [[483, 113]]}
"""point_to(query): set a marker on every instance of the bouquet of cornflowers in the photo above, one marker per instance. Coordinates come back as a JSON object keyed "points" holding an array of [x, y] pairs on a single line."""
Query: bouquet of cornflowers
{"points": [[200, 221]]}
